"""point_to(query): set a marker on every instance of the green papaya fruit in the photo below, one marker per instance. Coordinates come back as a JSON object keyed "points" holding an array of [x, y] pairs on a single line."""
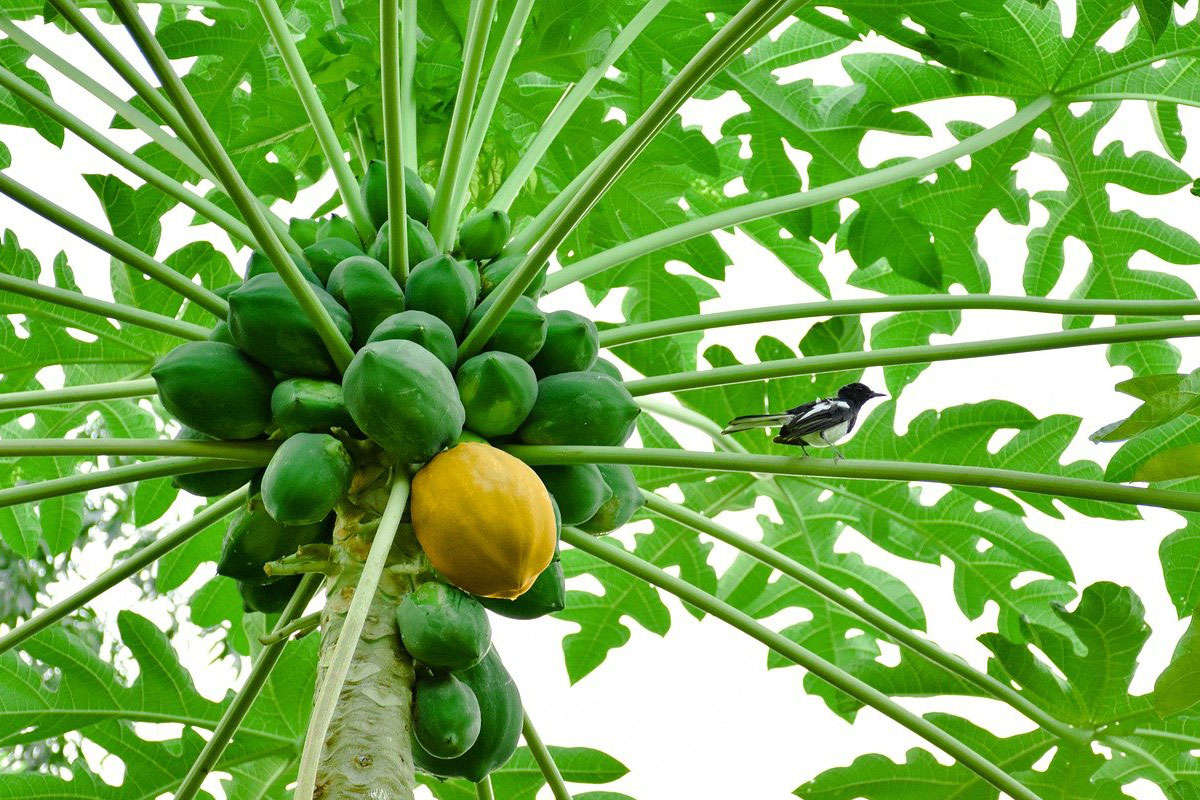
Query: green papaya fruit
{"points": [[498, 391], [501, 716], [472, 268], [223, 292], [571, 344], [421, 244], [499, 269], [578, 489], [269, 324], [443, 627], [210, 484], [215, 389], [307, 476], [446, 718], [303, 230], [626, 499], [606, 367], [580, 408], [325, 254], [417, 197], [403, 397], [369, 293], [221, 333], [253, 538], [268, 598], [522, 331], [442, 286], [300, 405], [484, 234], [547, 595], [424, 329], [259, 264], [338, 228]]}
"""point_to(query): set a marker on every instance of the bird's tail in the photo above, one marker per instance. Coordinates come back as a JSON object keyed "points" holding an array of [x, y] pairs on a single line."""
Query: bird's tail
{"points": [[755, 421]]}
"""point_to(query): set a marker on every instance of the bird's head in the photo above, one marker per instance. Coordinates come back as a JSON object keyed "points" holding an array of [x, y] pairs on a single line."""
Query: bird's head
{"points": [[857, 393]]}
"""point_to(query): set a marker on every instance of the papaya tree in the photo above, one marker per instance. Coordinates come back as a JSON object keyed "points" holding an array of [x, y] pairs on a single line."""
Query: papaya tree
{"points": [[380, 424]]}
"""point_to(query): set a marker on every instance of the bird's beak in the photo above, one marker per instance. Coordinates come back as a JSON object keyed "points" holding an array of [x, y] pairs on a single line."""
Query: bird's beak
{"points": [[878, 394]]}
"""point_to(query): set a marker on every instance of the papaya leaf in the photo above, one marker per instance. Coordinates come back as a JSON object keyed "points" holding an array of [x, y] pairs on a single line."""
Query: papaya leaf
{"points": [[1178, 686], [520, 778], [600, 617]]}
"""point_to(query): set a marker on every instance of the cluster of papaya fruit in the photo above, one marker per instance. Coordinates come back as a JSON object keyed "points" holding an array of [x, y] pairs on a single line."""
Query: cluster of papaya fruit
{"points": [[487, 522]]}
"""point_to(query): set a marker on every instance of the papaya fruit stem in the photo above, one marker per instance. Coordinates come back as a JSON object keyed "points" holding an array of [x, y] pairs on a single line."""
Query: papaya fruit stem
{"points": [[299, 628], [358, 740], [308, 559]]}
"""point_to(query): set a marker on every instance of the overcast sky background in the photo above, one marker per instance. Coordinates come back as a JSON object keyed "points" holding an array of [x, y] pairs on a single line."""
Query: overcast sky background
{"points": [[696, 714]]}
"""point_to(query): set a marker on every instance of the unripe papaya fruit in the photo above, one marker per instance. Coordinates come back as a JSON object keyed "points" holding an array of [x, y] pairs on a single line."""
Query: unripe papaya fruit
{"points": [[325, 254], [223, 292], [259, 264], [472, 268], [446, 717], [606, 367], [547, 595], [403, 397], [369, 293], [301, 405], [484, 519], [580, 408], [442, 286], [571, 344], [269, 324], [522, 331], [498, 391], [499, 269], [253, 538], [578, 489], [215, 389], [484, 234], [501, 716], [626, 499], [303, 230], [210, 484], [268, 598], [221, 333], [306, 478], [336, 227], [421, 244], [417, 197], [443, 627], [424, 329]]}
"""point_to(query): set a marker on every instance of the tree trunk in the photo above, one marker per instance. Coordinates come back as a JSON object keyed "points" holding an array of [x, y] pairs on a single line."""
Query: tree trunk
{"points": [[368, 752]]}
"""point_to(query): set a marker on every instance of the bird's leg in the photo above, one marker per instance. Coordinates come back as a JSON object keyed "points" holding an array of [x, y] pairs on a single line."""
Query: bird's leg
{"points": [[837, 453]]}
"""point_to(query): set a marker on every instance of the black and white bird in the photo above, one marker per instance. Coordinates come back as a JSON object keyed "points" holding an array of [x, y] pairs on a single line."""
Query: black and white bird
{"points": [[821, 423]]}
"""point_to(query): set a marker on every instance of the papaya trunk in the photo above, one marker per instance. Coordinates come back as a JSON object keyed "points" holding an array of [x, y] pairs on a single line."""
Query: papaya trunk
{"points": [[367, 752]]}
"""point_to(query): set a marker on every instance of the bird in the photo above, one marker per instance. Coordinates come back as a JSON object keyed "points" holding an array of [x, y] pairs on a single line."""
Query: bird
{"points": [[819, 423]]}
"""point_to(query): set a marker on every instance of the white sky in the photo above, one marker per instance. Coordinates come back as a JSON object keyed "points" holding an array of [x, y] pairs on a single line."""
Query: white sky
{"points": [[696, 714]]}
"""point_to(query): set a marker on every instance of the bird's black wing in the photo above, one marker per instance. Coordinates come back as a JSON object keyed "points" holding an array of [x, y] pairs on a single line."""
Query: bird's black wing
{"points": [[812, 418]]}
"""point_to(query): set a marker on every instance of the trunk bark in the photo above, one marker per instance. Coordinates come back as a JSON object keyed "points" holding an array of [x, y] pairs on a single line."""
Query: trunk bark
{"points": [[368, 752]]}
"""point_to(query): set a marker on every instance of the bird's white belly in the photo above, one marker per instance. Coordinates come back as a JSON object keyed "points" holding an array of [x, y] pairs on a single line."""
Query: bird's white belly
{"points": [[831, 436]]}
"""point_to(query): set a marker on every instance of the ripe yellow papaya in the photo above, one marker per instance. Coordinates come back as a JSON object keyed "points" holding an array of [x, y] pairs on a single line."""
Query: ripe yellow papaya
{"points": [[484, 519]]}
